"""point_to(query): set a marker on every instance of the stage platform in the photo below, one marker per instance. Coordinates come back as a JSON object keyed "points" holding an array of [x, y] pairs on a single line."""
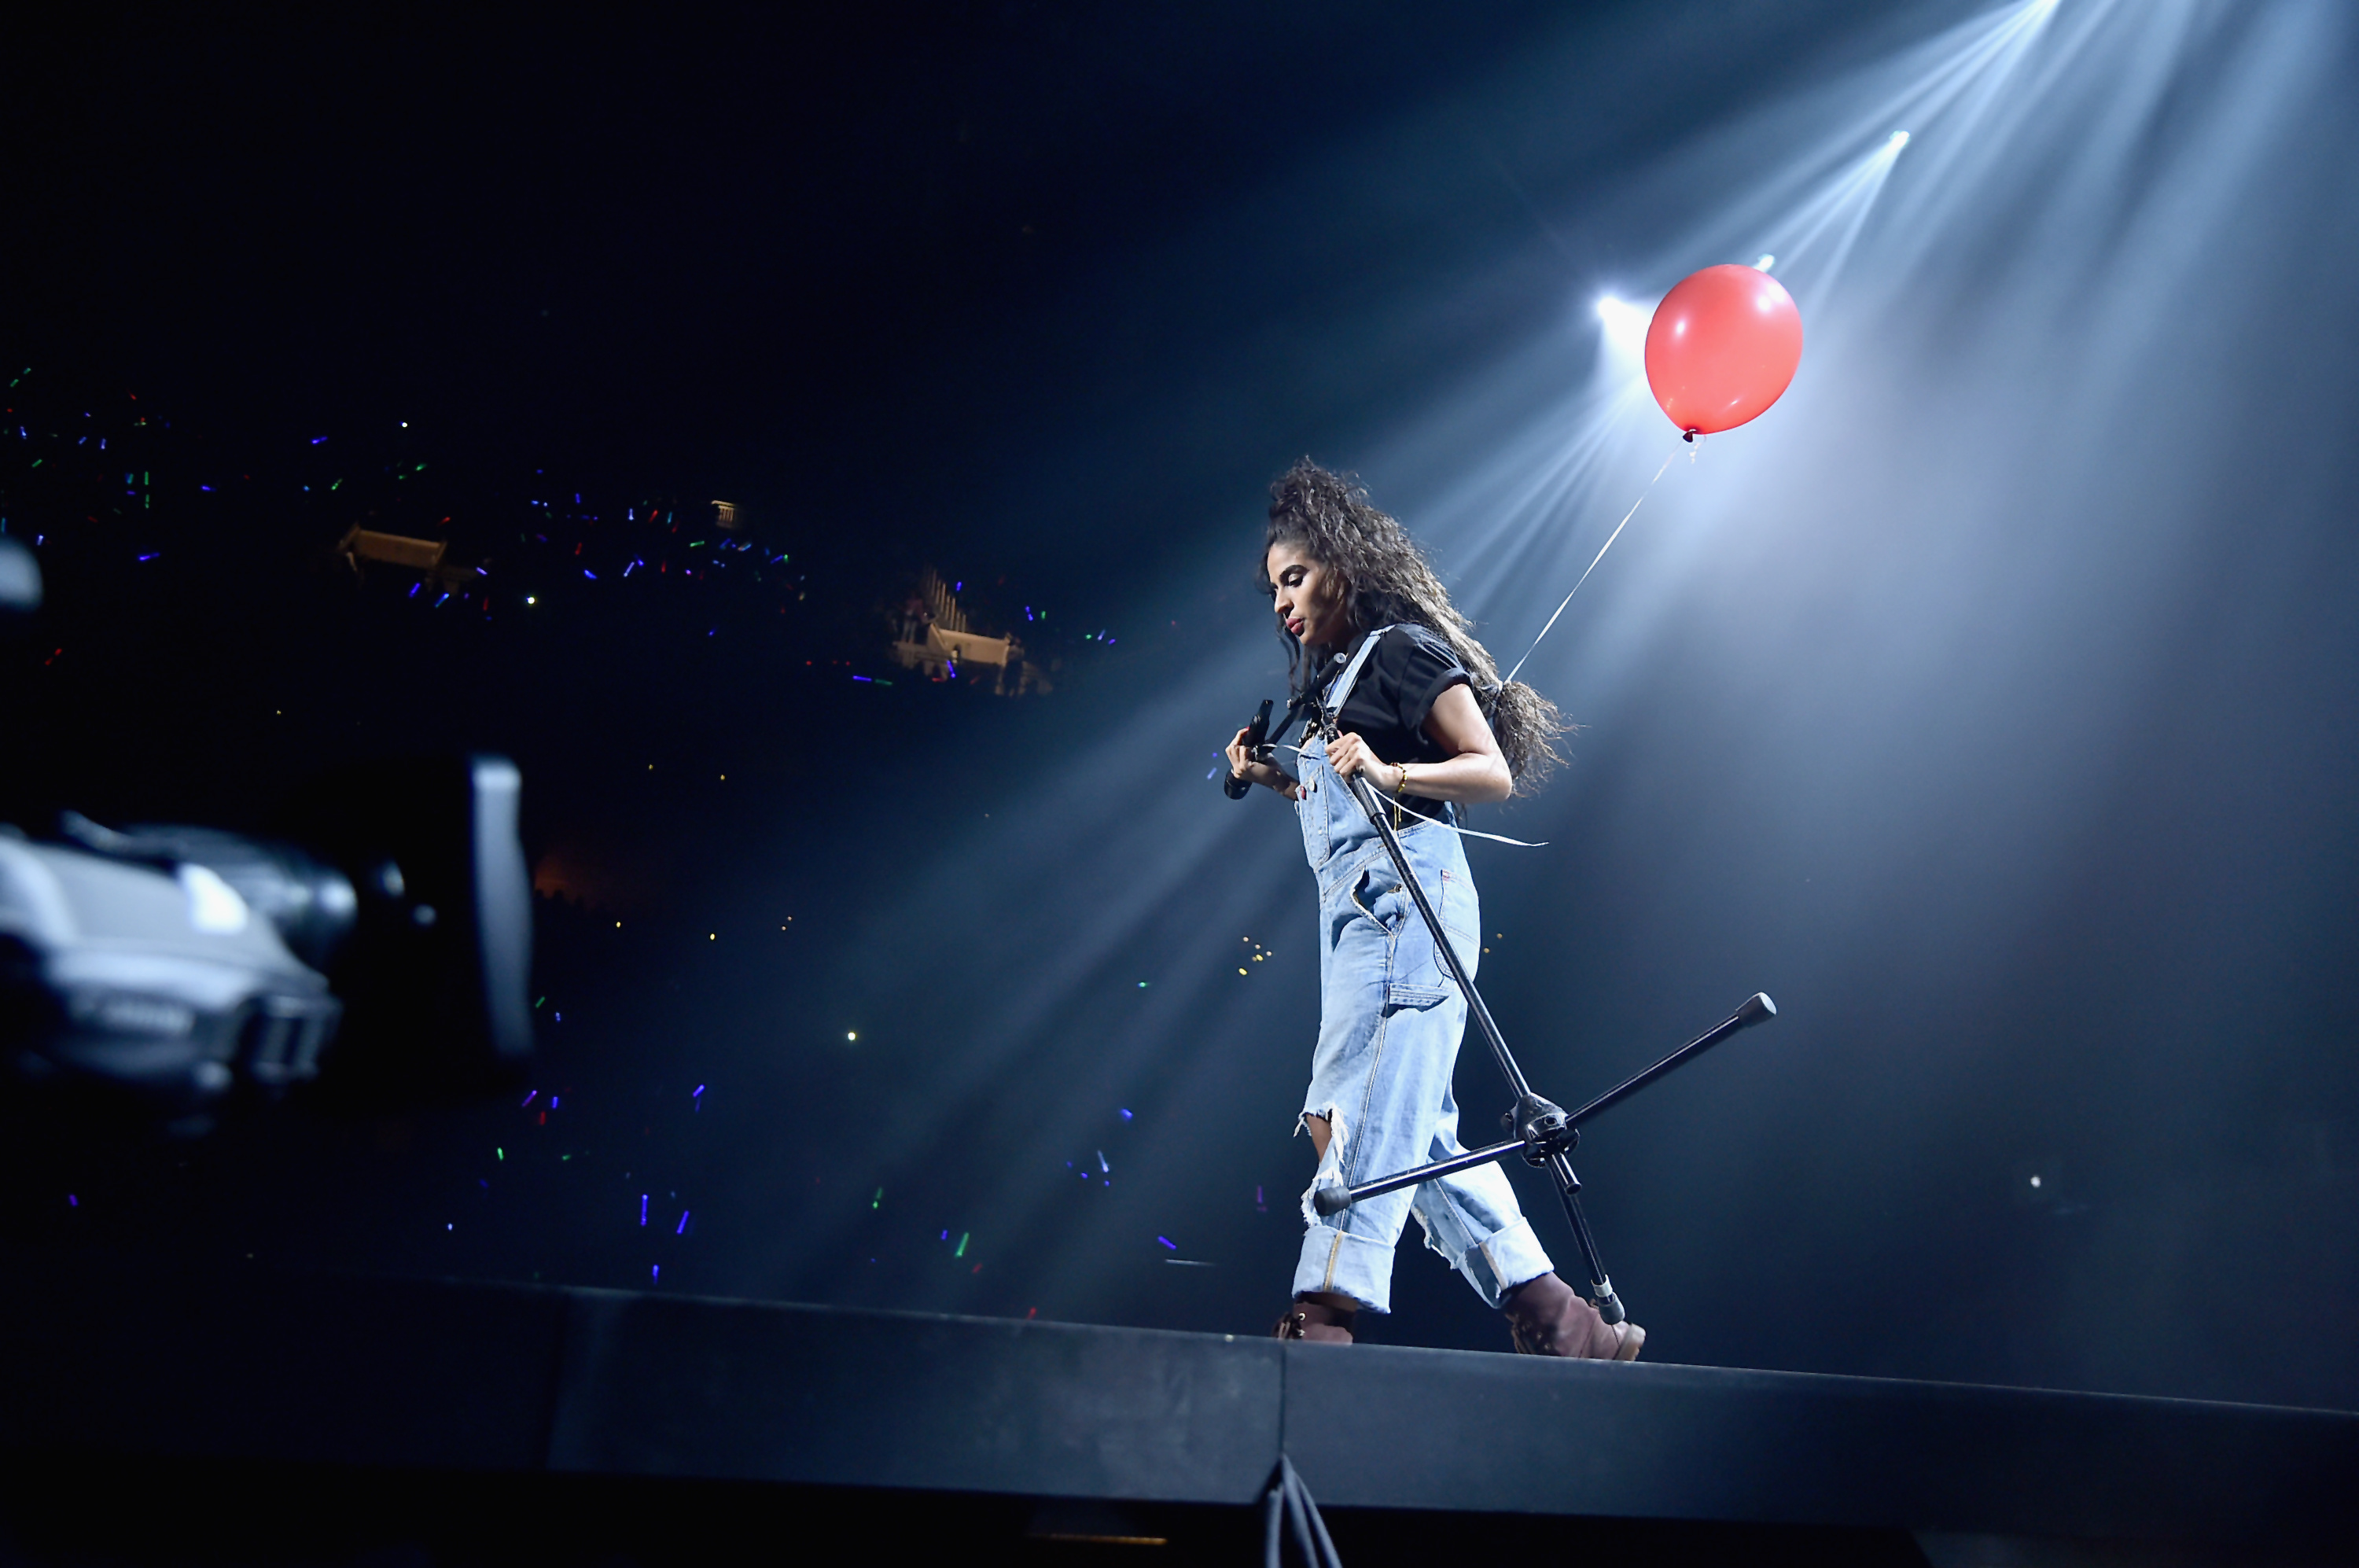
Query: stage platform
{"points": [[606, 1415]]}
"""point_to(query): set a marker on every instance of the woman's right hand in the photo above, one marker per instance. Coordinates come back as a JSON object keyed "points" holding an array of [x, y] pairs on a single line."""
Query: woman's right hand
{"points": [[1242, 766]]}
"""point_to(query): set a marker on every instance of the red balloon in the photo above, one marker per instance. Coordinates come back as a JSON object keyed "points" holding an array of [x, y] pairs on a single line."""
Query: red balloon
{"points": [[1722, 348]]}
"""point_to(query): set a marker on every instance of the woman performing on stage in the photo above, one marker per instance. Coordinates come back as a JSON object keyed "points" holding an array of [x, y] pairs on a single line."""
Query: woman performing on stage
{"points": [[1359, 609]]}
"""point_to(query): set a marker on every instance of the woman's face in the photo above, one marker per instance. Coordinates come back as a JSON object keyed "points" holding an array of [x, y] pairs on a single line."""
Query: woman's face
{"points": [[1309, 597]]}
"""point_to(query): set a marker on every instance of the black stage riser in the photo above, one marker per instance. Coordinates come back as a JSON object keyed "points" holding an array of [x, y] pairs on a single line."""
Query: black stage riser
{"points": [[472, 1378]]}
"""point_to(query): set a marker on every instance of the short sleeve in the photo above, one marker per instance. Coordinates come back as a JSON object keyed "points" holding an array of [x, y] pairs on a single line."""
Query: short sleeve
{"points": [[1421, 667]]}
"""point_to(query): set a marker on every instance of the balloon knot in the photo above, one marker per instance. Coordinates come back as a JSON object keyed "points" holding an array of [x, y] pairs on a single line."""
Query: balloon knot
{"points": [[1690, 437]]}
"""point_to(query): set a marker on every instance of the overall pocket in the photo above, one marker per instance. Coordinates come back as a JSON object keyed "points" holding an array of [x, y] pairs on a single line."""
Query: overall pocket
{"points": [[1462, 916], [1417, 962]]}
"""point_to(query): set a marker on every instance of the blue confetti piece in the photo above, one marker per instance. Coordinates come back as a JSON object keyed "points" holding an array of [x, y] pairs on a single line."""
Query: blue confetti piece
{"points": [[681, 1229], [1168, 1242], [643, 1207], [1126, 1116]]}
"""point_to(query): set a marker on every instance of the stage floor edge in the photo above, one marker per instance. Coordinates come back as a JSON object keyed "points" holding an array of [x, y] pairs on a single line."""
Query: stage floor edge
{"points": [[448, 1377]]}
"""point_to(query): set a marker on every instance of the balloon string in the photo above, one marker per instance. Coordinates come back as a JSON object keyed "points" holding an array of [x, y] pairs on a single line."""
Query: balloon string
{"points": [[1596, 558]]}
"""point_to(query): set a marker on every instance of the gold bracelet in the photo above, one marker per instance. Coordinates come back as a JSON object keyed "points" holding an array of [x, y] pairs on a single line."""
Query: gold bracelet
{"points": [[1402, 788]]}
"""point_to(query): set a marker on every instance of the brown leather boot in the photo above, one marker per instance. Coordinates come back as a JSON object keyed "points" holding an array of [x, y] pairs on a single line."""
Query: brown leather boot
{"points": [[1547, 1319], [1313, 1319]]}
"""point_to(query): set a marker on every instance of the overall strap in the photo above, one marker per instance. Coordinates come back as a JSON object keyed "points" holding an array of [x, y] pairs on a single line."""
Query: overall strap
{"points": [[1341, 692]]}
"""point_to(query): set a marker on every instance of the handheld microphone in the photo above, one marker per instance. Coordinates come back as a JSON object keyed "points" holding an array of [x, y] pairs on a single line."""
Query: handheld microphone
{"points": [[1256, 736]]}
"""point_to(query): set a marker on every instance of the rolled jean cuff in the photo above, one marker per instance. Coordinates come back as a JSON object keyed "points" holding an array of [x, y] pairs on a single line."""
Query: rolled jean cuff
{"points": [[1355, 1266], [1514, 1257]]}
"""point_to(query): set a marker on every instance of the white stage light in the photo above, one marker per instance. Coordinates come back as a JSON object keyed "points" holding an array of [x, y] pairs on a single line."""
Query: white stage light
{"points": [[1625, 325]]}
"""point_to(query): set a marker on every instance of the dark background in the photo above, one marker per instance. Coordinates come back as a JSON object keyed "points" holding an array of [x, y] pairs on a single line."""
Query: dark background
{"points": [[1988, 703]]}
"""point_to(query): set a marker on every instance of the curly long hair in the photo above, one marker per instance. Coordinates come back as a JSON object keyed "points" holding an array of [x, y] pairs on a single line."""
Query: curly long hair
{"points": [[1386, 582]]}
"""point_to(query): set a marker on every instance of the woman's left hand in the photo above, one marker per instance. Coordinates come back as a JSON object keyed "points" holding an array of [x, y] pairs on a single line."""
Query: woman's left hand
{"points": [[1351, 755]]}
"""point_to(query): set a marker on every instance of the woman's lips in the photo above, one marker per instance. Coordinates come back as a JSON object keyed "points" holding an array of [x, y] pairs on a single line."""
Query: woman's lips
{"points": [[1294, 627]]}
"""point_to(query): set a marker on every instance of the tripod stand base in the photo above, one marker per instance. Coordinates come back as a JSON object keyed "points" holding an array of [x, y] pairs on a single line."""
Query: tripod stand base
{"points": [[1547, 1132]]}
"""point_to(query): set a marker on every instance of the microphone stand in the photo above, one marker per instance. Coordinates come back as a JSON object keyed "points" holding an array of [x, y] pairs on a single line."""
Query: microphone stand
{"points": [[1544, 1133]]}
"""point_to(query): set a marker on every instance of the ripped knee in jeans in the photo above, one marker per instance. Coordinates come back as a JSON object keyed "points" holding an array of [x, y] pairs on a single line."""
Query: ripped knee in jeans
{"points": [[1328, 1135]]}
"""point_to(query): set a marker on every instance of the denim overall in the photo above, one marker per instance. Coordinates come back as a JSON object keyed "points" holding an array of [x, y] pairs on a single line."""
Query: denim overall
{"points": [[1390, 1018]]}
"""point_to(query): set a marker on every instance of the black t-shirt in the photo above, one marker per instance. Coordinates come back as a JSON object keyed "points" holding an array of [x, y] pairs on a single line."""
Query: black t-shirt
{"points": [[1388, 704]]}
